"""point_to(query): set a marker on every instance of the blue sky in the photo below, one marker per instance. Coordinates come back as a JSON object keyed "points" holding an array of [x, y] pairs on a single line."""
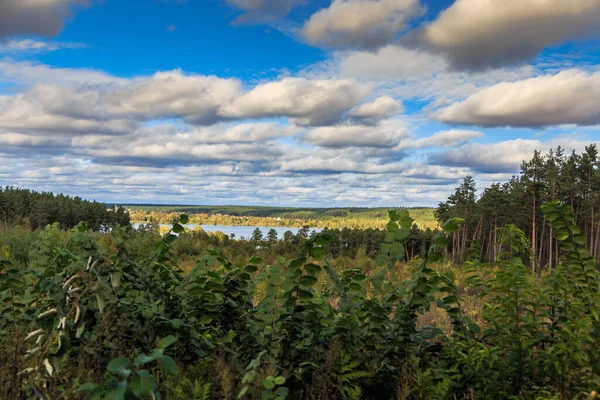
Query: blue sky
{"points": [[290, 102]]}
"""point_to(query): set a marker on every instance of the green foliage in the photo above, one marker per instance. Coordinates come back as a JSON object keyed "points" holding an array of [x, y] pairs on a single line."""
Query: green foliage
{"points": [[106, 308], [129, 380], [38, 209]]}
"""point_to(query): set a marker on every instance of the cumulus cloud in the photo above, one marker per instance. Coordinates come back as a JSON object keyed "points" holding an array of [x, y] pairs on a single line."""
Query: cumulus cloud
{"points": [[380, 109], [37, 17], [364, 24], [29, 73], [9, 139], [197, 98], [389, 62], [163, 145], [406, 73], [386, 135], [569, 97], [262, 11], [307, 102], [244, 133], [501, 157], [476, 34], [25, 113], [451, 138]]}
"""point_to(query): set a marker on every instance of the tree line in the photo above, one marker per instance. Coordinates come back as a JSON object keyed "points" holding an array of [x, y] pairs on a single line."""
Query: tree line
{"points": [[570, 178], [38, 209]]}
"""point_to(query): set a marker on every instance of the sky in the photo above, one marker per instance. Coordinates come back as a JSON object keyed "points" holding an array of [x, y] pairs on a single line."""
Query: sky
{"points": [[312, 103]]}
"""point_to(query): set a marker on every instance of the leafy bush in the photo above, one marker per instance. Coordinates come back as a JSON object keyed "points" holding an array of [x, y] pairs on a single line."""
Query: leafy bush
{"points": [[115, 316]]}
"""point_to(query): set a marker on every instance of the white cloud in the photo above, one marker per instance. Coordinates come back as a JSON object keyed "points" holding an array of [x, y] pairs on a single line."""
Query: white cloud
{"points": [[451, 138], [307, 102], [25, 113], [244, 133], [35, 46], [359, 23], [372, 113], [502, 157], [388, 134], [389, 62], [476, 34], [197, 98], [569, 97], [412, 74], [38, 17], [27, 73]]}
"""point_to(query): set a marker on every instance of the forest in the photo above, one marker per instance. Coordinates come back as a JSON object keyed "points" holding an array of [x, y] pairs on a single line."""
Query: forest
{"points": [[335, 218], [37, 209], [500, 301], [572, 179]]}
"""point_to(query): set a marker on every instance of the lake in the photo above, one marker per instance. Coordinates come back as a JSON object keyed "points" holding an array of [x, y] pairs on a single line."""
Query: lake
{"points": [[238, 231]]}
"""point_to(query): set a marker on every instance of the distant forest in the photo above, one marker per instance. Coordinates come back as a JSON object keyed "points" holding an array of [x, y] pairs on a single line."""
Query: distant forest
{"points": [[572, 179], [38, 209]]}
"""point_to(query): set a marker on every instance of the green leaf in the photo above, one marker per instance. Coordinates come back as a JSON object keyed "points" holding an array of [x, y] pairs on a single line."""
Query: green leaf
{"points": [[323, 239], [442, 242], [115, 279], [116, 391], [317, 253], [308, 280], [296, 262], [398, 251], [579, 239], [142, 359], [282, 391], [392, 226], [280, 380], [184, 219], [402, 234], [435, 256], [563, 234], [381, 260], [269, 382], [312, 269], [100, 301], [473, 327], [406, 221], [95, 394], [451, 225], [251, 269], [168, 364], [166, 342], [394, 216], [142, 383], [305, 294], [118, 364], [87, 387], [242, 392], [178, 228], [255, 260]]}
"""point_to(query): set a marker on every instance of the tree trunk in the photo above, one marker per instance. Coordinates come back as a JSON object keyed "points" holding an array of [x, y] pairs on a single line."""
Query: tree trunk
{"points": [[541, 248], [533, 235], [550, 249]]}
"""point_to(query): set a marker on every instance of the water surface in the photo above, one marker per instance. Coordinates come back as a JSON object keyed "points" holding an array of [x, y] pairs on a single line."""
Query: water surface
{"points": [[239, 231]]}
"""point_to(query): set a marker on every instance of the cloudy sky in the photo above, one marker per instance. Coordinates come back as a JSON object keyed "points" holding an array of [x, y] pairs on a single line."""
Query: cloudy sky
{"points": [[290, 102]]}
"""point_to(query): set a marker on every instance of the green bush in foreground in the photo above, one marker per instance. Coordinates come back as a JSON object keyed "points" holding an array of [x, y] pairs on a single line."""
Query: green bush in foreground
{"points": [[84, 320]]}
